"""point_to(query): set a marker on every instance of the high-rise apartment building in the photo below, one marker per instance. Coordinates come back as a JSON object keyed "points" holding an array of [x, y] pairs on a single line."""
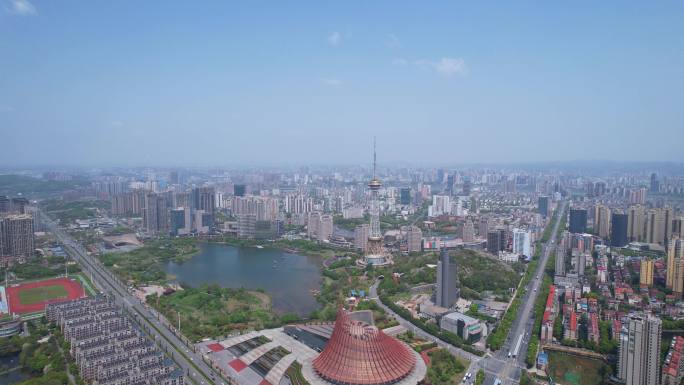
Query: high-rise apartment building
{"points": [[298, 204], [16, 236], [602, 221], [560, 261], [468, 231], [446, 291], [674, 275], [638, 196], [441, 205], [483, 227], [129, 203], [636, 223], [543, 206], [361, 233], [467, 185], [639, 353], [414, 238], [155, 214], [320, 226], [578, 221], [646, 272]]}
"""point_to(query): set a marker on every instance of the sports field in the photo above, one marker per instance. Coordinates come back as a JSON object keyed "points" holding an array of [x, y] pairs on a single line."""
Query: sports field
{"points": [[33, 296], [42, 294], [573, 370]]}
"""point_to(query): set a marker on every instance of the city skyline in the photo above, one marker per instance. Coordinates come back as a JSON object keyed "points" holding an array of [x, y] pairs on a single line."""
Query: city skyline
{"points": [[138, 84]]}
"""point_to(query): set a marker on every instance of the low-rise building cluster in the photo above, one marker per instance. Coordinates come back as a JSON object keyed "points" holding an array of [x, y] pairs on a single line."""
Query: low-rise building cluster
{"points": [[108, 348]]}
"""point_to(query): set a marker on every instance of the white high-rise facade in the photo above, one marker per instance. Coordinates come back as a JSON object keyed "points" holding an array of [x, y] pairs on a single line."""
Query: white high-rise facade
{"points": [[521, 242], [639, 354]]}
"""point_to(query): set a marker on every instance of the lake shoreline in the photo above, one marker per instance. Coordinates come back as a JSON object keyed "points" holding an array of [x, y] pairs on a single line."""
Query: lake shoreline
{"points": [[289, 279]]}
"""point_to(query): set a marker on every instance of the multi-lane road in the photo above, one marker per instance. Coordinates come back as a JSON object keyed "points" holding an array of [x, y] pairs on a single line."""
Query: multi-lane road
{"points": [[498, 364], [156, 326]]}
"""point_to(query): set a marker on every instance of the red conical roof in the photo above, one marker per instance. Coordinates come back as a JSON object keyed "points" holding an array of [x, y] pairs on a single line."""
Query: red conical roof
{"points": [[360, 354]]}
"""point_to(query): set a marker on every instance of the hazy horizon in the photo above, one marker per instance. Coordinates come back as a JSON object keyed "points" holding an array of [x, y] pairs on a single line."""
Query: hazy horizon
{"points": [[219, 84]]}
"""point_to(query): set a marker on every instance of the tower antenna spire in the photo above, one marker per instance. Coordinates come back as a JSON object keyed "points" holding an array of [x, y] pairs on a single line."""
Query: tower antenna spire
{"points": [[374, 159]]}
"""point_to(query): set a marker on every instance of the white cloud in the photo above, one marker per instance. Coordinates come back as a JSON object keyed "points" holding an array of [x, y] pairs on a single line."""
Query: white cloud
{"points": [[446, 66], [335, 39], [20, 7], [332, 82], [393, 41]]}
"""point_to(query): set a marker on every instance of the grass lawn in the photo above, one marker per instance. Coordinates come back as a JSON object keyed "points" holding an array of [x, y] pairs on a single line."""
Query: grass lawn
{"points": [[41, 294], [572, 370]]}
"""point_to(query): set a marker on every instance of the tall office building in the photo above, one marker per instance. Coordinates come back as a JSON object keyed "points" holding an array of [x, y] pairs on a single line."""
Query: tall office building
{"points": [[543, 206], [494, 241], [639, 353], [655, 185], [602, 221], [521, 242], [204, 198], [16, 236], [560, 261], [446, 291], [405, 196], [618, 230], [503, 238], [180, 221], [578, 221], [246, 226], [646, 272], [239, 190], [155, 214], [468, 231]]}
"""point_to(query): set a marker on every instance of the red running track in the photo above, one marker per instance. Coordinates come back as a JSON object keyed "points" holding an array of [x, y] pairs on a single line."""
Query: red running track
{"points": [[73, 288]]}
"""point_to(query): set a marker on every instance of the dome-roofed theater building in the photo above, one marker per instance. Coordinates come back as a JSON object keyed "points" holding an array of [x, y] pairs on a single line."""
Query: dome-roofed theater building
{"points": [[358, 353]]}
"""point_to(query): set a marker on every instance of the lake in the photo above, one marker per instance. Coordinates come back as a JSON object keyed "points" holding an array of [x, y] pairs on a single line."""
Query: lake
{"points": [[288, 278], [14, 376]]}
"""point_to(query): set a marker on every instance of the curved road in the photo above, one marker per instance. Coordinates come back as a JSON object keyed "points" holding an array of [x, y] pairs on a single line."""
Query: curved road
{"points": [[498, 364], [155, 325]]}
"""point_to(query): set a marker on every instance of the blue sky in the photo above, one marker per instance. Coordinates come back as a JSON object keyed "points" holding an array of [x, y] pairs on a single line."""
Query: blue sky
{"points": [[224, 83]]}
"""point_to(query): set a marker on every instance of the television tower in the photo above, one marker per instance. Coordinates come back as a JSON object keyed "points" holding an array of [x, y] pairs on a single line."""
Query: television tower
{"points": [[376, 254]]}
